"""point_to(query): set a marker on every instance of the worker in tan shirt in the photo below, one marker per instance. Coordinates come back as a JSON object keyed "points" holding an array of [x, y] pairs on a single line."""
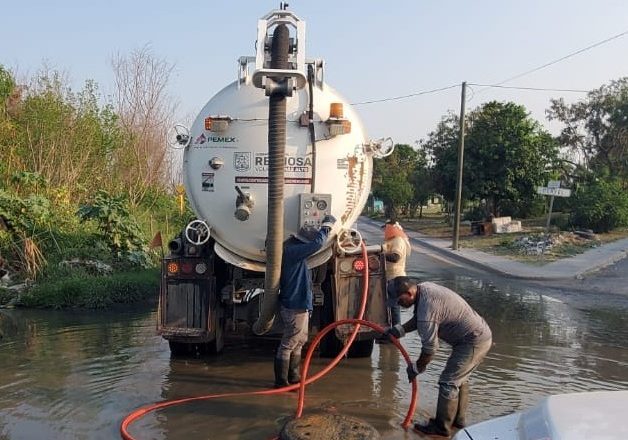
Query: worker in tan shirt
{"points": [[396, 249]]}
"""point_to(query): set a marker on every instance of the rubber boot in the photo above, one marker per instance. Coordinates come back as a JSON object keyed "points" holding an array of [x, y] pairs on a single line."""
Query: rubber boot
{"points": [[441, 424], [463, 402], [294, 375], [281, 372]]}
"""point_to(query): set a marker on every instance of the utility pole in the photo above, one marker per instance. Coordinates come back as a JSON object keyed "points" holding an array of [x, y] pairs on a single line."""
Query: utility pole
{"points": [[458, 201], [549, 215]]}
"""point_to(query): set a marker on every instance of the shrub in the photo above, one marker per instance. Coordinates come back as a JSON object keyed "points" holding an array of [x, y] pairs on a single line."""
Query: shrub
{"points": [[96, 292], [522, 208], [601, 205], [476, 213], [562, 221], [5, 296], [116, 226]]}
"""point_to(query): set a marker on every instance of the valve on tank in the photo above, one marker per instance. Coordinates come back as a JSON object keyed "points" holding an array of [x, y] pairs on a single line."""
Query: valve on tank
{"points": [[244, 205], [175, 246]]}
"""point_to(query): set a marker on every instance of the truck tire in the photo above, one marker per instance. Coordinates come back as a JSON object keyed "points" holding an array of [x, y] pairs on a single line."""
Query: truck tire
{"points": [[361, 349], [330, 345], [218, 343], [186, 349], [178, 349], [194, 349]]}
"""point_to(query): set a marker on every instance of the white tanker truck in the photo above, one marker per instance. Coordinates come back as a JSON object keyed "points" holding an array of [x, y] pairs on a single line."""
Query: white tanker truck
{"points": [[274, 151]]}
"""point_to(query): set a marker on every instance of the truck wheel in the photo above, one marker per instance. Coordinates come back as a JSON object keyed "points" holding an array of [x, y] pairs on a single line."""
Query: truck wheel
{"points": [[361, 349], [218, 343], [330, 346], [183, 349], [180, 349]]}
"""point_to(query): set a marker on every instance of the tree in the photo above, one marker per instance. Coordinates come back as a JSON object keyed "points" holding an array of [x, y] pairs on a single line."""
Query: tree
{"points": [[597, 128], [422, 183], [599, 204], [145, 112], [391, 178], [442, 147], [507, 155], [62, 136]]}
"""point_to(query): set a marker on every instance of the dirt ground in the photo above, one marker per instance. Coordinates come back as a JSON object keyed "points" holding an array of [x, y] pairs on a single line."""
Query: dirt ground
{"points": [[531, 245]]}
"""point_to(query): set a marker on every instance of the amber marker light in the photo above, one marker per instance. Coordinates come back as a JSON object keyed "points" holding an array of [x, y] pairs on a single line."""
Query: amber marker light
{"points": [[173, 268], [335, 110]]}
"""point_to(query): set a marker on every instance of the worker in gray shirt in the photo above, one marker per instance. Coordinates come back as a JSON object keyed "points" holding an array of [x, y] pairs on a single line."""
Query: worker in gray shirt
{"points": [[441, 313]]}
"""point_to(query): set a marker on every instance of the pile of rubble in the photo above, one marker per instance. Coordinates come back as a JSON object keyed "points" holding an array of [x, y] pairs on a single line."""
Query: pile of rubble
{"points": [[542, 244], [534, 244]]}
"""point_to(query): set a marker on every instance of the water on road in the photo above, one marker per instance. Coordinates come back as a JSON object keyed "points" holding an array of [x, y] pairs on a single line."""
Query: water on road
{"points": [[75, 375]]}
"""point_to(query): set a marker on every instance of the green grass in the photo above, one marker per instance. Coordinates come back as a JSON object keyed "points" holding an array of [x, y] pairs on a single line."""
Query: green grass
{"points": [[5, 295], [94, 292]]}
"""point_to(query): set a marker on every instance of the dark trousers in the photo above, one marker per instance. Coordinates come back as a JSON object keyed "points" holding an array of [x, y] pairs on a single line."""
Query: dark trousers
{"points": [[395, 308], [295, 332]]}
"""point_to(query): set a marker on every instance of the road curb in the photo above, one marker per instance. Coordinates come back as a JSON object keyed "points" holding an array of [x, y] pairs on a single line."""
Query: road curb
{"points": [[558, 270]]}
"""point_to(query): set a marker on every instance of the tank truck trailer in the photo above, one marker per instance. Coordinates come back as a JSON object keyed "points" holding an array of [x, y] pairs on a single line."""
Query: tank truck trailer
{"points": [[274, 151]]}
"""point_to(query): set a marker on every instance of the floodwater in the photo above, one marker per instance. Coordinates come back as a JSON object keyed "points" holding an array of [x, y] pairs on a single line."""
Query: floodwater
{"points": [[76, 375]]}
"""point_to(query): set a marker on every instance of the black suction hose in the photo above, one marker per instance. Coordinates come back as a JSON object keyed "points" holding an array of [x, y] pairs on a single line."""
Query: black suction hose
{"points": [[276, 152], [310, 80]]}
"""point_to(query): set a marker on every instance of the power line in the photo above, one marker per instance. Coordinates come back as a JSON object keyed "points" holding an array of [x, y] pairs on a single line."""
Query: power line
{"points": [[579, 51], [396, 98], [498, 86]]}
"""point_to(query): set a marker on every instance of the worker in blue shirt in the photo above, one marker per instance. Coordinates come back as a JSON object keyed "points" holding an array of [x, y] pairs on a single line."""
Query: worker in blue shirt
{"points": [[295, 299]]}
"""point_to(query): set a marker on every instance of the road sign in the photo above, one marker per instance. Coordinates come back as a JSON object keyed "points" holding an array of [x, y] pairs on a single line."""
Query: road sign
{"points": [[558, 192], [553, 184]]}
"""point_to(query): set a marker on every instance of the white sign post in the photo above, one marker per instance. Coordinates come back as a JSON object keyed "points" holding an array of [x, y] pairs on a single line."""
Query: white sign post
{"points": [[552, 189]]}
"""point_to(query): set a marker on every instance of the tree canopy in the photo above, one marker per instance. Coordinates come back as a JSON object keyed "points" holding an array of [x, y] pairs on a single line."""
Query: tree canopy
{"points": [[597, 128], [507, 155], [395, 177]]}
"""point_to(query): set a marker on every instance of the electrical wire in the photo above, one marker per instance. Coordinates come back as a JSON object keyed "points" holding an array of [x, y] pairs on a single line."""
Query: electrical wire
{"points": [[520, 75], [411, 95], [558, 60], [543, 89]]}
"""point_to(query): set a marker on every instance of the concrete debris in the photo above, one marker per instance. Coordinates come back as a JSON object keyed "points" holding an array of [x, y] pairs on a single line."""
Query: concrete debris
{"points": [[505, 225], [543, 244], [92, 266], [533, 245], [5, 280]]}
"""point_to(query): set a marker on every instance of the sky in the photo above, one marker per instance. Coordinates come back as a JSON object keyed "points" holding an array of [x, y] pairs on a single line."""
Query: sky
{"points": [[373, 49]]}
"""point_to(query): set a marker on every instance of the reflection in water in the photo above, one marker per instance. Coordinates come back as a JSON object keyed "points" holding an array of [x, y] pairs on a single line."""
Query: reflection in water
{"points": [[76, 374]]}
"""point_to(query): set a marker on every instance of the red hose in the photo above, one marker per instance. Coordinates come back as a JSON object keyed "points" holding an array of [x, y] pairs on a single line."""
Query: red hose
{"points": [[358, 322], [141, 412]]}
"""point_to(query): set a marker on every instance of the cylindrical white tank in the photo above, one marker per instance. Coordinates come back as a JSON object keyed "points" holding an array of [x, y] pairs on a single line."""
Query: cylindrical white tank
{"points": [[233, 152]]}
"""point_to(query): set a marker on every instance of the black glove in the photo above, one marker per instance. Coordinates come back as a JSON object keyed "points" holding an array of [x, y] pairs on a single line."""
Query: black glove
{"points": [[392, 257], [328, 221], [411, 371], [396, 330]]}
